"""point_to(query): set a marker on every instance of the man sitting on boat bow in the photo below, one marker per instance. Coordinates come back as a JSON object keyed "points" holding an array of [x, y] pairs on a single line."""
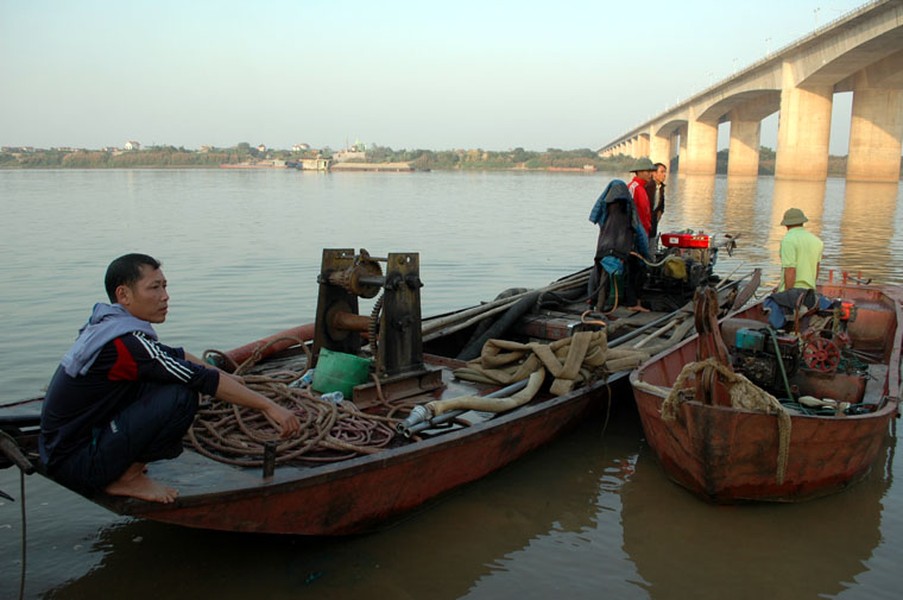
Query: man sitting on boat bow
{"points": [[120, 399]]}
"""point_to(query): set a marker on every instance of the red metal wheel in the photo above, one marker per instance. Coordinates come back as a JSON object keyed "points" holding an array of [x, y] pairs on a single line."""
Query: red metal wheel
{"points": [[821, 354]]}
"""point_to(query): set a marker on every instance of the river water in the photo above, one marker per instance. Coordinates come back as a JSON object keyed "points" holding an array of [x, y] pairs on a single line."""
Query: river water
{"points": [[590, 515]]}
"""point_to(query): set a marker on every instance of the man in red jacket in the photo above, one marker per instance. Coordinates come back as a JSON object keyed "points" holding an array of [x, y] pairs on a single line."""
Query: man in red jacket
{"points": [[642, 174]]}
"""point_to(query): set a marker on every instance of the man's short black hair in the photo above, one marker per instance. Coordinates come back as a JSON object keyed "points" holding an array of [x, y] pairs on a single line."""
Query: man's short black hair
{"points": [[126, 270]]}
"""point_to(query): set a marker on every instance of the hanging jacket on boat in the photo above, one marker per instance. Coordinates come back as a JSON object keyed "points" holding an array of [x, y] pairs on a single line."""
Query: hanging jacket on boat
{"points": [[620, 230]]}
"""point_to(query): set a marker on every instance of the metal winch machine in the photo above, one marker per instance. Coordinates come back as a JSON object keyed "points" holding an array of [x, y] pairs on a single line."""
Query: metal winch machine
{"points": [[392, 330]]}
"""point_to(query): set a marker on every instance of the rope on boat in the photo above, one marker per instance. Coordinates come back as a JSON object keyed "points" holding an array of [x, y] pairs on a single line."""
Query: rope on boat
{"points": [[744, 394], [581, 358], [238, 435]]}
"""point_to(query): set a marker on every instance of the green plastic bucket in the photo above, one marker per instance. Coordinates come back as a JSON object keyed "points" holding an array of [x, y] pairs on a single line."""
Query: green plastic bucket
{"points": [[338, 371]]}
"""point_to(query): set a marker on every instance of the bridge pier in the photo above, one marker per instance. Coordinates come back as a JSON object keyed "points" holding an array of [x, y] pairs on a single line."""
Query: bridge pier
{"points": [[804, 131], [743, 155], [876, 131], [702, 148], [682, 146], [660, 148], [642, 145]]}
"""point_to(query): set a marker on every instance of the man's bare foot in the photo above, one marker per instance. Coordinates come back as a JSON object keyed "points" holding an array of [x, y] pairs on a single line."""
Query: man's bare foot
{"points": [[135, 484], [638, 308]]}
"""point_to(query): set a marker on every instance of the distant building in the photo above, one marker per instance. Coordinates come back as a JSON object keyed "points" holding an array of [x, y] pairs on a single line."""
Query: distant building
{"points": [[132, 145], [262, 148], [353, 152], [314, 164], [300, 147]]}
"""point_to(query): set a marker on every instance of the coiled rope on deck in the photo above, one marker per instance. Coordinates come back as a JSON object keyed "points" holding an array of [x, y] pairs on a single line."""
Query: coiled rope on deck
{"points": [[238, 435], [744, 394]]}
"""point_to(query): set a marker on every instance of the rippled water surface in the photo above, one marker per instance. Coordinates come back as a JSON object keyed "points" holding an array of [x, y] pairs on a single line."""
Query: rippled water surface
{"points": [[590, 515]]}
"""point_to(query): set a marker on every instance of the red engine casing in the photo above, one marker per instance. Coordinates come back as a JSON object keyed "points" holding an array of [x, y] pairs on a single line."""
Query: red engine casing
{"points": [[686, 240]]}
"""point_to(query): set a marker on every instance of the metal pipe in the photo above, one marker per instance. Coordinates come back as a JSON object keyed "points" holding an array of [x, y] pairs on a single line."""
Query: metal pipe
{"points": [[346, 321], [421, 417]]}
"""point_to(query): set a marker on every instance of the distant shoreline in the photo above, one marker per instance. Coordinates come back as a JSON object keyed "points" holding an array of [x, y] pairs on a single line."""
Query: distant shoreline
{"points": [[377, 159]]}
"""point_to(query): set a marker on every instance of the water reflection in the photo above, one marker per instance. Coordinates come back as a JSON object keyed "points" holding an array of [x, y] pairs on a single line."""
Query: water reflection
{"points": [[809, 196], [808, 550], [867, 225], [692, 200], [741, 203]]}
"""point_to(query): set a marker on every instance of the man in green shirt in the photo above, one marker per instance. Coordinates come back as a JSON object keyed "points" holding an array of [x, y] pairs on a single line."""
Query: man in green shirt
{"points": [[801, 253]]}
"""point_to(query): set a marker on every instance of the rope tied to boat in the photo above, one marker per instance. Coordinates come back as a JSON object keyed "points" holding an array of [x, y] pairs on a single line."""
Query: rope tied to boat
{"points": [[744, 394]]}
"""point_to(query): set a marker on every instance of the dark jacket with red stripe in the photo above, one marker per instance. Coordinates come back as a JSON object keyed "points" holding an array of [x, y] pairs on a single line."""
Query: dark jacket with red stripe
{"points": [[74, 406]]}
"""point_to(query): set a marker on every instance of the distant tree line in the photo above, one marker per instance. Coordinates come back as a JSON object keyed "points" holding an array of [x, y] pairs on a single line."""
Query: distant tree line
{"points": [[474, 159], [837, 165], [153, 156], [479, 159], [170, 156]]}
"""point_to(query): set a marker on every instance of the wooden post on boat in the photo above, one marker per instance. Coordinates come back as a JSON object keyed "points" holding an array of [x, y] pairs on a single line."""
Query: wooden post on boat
{"points": [[401, 343]]}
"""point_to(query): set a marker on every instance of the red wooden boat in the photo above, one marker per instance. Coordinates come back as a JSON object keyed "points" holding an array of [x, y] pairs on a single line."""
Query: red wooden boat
{"points": [[341, 483], [841, 367]]}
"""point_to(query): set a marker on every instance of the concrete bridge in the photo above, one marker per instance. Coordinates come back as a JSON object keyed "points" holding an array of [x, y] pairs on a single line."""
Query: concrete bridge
{"points": [[861, 52]]}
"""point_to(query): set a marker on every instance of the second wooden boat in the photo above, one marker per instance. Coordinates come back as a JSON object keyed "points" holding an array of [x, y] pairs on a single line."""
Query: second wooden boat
{"points": [[710, 409]]}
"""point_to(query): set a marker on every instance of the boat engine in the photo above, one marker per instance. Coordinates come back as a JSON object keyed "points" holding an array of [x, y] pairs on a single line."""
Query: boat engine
{"points": [[685, 261], [823, 347], [758, 353]]}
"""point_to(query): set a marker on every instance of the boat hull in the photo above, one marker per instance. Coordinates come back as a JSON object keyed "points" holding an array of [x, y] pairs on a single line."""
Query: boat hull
{"points": [[363, 493], [728, 455]]}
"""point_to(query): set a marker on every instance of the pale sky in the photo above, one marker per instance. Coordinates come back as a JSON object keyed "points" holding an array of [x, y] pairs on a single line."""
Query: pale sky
{"points": [[459, 74]]}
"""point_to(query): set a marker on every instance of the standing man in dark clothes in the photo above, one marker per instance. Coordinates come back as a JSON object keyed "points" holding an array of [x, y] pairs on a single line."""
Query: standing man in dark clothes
{"points": [[642, 174], [121, 399], [655, 190]]}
